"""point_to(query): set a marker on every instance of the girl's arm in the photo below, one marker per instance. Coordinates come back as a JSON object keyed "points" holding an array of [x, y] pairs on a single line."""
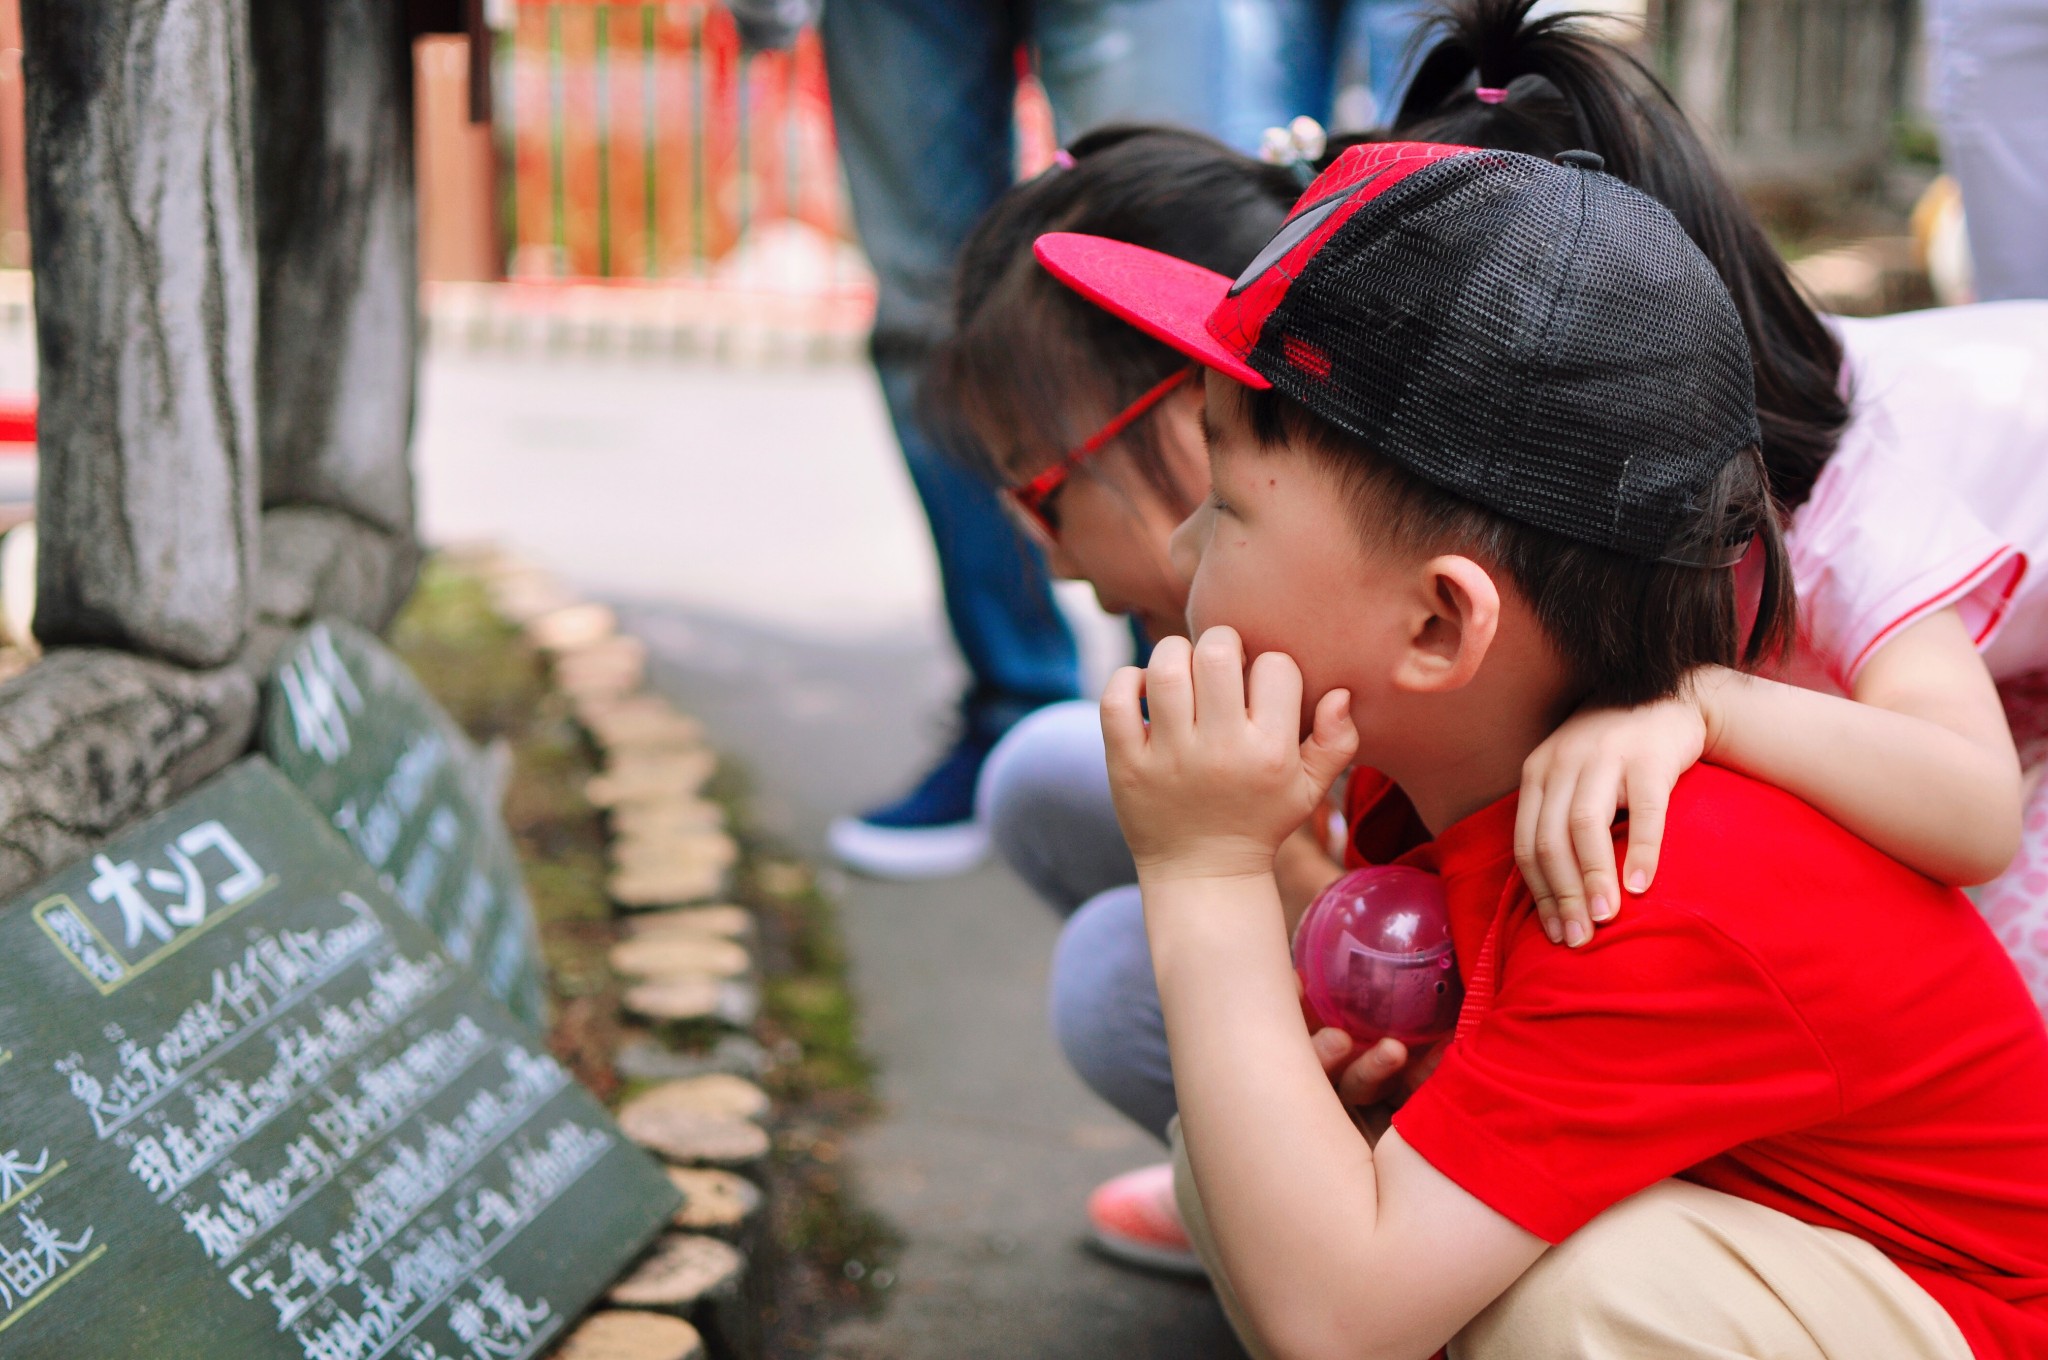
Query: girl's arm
{"points": [[1918, 762]]}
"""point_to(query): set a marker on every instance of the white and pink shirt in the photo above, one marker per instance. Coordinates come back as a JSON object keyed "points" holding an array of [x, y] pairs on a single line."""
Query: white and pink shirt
{"points": [[1938, 496]]}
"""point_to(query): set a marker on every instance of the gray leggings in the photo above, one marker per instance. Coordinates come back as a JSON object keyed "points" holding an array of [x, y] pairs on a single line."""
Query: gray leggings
{"points": [[1045, 797]]}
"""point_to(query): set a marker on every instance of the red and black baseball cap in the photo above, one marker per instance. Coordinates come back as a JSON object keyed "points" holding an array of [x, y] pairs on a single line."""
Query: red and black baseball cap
{"points": [[1535, 336]]}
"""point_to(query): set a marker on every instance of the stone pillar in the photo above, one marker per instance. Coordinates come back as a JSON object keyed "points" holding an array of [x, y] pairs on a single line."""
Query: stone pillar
{"points": [[338, 252], [139, 194]]}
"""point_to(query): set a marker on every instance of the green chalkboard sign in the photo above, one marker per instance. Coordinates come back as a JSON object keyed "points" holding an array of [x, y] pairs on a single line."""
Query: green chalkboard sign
{"points": [[250, 1108], [347, 722]]}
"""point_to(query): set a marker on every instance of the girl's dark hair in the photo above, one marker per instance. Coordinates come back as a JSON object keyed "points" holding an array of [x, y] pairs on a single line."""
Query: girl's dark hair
{"points": [[1002, 388], [1628, 632], [1569, 89]]}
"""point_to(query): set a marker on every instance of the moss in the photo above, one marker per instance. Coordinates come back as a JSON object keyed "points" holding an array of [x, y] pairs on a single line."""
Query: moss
{"points": [[493, 685], [832, 1254]]}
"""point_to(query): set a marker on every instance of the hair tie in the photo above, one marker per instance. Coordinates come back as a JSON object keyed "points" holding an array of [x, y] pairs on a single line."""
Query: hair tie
{"points": [[1491, 94], [1063, 158], [1298, 146]]}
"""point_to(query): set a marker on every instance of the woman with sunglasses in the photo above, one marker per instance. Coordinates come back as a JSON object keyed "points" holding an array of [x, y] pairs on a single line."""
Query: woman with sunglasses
{"points": [[1092, 427]]}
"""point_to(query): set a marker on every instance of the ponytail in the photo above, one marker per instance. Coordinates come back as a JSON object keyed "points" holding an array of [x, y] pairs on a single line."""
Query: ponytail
{"points": [[1565, 89]]}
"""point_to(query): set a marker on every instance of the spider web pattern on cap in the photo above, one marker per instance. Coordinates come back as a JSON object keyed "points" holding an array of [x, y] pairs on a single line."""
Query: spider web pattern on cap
{"points": [[1357, 177]]}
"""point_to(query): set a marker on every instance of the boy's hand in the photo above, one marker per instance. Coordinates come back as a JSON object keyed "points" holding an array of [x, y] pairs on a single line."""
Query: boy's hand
{"points": [[1599, 762], [1219, 777], [1379, 1075]]}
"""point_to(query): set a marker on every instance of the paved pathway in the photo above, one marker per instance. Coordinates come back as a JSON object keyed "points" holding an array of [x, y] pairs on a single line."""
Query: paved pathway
{"points": [[758, 532]]}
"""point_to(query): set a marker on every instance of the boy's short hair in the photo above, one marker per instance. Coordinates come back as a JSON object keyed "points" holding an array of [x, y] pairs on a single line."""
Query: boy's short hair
{"points": [[1628, 631]]}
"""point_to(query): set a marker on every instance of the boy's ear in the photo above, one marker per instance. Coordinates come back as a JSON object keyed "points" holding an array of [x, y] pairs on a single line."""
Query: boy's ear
{"points": [[1455, 614]]}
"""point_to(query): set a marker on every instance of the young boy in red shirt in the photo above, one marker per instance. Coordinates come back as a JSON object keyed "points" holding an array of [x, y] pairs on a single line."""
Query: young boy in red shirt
{"points": [[1484, 451]]}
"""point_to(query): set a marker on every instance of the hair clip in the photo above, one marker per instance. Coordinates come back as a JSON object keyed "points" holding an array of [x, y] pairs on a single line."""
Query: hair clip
{"points": [[1298, 146], [1491, 94], [1063, 158]]}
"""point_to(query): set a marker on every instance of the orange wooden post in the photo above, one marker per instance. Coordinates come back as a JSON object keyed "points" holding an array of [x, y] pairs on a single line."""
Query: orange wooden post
{"points": [[533, 252]]}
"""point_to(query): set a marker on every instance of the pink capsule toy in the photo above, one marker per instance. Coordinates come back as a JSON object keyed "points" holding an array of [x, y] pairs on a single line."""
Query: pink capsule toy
{"points": [[1374, 954]]}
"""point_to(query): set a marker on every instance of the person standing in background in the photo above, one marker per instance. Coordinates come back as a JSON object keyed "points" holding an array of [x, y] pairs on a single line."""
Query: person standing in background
{"points": [[1988, 83], [922, 99], [1344, 63]]}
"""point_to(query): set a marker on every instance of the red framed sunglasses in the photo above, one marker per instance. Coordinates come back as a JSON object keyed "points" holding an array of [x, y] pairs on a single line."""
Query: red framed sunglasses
{"points": [[1029, 500]]}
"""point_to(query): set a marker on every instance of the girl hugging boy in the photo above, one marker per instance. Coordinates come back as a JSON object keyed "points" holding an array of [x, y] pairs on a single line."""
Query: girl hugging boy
{"points": [[1483, 450], [1908, 469]]}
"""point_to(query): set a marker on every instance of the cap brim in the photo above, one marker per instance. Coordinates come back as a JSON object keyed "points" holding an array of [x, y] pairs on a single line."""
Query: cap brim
{"points": [[1162, 295]]}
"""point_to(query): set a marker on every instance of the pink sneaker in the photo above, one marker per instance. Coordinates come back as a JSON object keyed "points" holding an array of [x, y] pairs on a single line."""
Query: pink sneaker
{"points": [[1132, 1218]]}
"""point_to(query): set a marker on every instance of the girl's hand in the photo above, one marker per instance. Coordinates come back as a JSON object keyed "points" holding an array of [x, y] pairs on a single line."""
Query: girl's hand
{"points": [[1599, 762], [1219, 776]]}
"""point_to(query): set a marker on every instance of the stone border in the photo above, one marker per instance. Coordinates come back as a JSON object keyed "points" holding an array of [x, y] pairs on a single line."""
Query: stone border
{"points": [[693, 984]]}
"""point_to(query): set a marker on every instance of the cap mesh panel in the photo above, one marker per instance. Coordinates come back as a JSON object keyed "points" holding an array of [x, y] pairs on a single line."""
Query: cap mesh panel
{"points": [[1542, 340]]}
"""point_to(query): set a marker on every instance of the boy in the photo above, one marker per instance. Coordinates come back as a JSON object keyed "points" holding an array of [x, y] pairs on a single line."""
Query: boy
{"points": [[1483, 444]]}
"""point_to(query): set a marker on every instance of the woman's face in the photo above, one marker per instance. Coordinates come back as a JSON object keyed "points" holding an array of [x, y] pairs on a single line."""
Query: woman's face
{"points": [[1115, 526]]}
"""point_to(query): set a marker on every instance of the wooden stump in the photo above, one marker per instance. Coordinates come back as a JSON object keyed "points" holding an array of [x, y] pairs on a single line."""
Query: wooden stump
{"points": [[570, 627], [628, 1335], [666, 817], [719, 922], [704, 1280], [734, 1097], [615, 666], [717, 1202], [683, 1129], [600, 715], [663, 780], [680, 955], [680, 1274], [683, 1000], [637, 890], [673, 852], [647, 730], [673, 1000]]}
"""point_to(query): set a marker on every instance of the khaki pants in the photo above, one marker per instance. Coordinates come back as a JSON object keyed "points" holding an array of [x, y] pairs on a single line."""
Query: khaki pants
{"points": [[1680, 1273]]}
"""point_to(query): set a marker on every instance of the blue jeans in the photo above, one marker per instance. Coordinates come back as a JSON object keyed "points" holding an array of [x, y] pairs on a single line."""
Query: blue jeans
{"points": [[922, 95], [1301, 55]]}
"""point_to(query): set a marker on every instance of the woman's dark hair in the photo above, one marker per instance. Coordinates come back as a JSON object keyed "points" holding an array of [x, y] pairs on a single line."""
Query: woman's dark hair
{"points": [[1569, 89], [1026, 350], [1629, 632]]}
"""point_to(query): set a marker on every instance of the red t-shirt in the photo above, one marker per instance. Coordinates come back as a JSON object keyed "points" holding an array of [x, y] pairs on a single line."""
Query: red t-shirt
{"points": [[1787, 1015]]}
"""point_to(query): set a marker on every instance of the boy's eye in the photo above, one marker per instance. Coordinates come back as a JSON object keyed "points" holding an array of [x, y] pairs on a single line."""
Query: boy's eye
{"points": [[1217, 503]]}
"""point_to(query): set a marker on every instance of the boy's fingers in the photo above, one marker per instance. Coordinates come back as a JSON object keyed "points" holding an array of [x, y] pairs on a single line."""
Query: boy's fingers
{"points": [[1362, 1081], [1592, 828], [1276, 695], [1333, 1050], [1647, 802], [1219, 678], [1123, 722], [1169, 688], [1332, 741]]}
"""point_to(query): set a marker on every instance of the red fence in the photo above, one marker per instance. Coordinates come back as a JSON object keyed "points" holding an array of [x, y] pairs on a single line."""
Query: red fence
{"points": [[643, 144]]}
